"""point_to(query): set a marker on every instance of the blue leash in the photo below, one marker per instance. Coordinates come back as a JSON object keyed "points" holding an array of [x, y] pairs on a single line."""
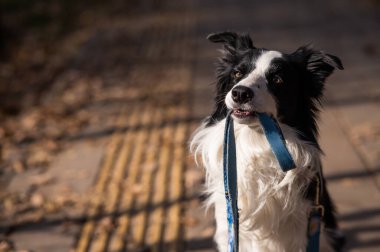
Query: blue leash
{"points": [[314, 229], [276, 140], [230, 182]]}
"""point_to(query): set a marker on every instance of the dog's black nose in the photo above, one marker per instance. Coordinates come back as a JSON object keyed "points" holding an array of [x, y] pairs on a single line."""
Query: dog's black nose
{"points": [[242, 94]]}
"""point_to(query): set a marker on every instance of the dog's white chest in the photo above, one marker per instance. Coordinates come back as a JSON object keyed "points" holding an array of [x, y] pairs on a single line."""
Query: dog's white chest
{"points": [[272, 206]]}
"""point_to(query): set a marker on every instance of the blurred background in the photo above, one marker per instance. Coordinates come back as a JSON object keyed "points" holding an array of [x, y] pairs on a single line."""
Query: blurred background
{"points": [[98, 100]]}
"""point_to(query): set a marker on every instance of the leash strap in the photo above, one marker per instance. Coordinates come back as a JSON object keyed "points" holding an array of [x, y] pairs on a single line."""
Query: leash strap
{"points": [[230, 184], [276, 140], [314, 230], [315, 218]]}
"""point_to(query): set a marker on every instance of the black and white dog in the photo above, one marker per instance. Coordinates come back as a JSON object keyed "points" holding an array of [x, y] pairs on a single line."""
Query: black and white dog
{"points": [[273, 206]]}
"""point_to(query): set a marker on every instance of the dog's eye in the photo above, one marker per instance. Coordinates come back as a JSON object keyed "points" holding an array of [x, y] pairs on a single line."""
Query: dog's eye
{"points": [[277, 80], [237, 74]]}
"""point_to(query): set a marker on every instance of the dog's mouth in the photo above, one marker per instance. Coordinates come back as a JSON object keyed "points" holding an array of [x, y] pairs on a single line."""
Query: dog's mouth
{"points": [[243, 113]]}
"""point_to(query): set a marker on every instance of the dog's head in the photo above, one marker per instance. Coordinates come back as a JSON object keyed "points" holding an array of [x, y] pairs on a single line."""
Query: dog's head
{"points": [[287, 86]]}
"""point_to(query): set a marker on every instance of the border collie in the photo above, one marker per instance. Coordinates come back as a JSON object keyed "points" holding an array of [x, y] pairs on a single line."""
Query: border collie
{"points": [[273, 205]]}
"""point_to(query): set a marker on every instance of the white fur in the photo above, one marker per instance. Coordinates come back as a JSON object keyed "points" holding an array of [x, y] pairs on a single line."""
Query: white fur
{"points": [[273, 211]]}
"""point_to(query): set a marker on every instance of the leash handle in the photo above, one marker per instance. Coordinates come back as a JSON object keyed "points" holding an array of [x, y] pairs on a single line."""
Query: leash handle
{"points": [[230, 184]]}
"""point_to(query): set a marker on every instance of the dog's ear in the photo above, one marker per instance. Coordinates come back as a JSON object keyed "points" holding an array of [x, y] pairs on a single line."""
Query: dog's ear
{"points": [[318, 65], [232, 40]]}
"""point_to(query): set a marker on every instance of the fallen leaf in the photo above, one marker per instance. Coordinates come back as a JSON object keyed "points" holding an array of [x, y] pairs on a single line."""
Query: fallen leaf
{"points": [[6, 246], [41, 179], [37, 200], [18, 166]]}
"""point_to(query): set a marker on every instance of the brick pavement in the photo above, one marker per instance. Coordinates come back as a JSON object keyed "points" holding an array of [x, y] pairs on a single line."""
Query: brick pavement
{"points": [[146, 192]]}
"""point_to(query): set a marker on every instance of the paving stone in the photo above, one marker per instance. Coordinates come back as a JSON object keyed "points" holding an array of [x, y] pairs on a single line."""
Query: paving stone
{"points": [[40, 237], [352, 186], [340, 157], [75, 169], [362, 129]]}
